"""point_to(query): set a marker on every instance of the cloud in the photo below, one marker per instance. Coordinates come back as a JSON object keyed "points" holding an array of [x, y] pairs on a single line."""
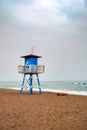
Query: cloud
{"points": [[57, 27], [43, 13], [85, 1], [72, 8], [38, 12]]}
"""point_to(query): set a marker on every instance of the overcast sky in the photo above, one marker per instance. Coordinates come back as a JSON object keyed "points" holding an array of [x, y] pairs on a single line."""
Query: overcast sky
{"points": [[57, 29]]}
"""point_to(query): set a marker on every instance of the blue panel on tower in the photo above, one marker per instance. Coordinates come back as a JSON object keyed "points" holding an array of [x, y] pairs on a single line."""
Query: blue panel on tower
{"points": [[31, 60]]}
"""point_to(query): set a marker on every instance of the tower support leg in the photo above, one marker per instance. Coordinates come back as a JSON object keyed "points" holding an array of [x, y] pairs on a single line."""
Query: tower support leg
{"points": [[21, 91], [39, 84], [30, 83]]}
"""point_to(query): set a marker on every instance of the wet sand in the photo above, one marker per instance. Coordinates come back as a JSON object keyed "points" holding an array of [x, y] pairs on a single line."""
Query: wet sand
{"points": [[46, 111]]}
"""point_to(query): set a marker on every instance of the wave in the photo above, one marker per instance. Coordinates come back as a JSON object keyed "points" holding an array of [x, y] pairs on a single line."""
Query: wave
{"points": [[79, 83], [82, 93]]}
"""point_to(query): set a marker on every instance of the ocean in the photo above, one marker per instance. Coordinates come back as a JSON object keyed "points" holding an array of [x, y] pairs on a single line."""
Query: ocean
{"points": [[70, 87]]}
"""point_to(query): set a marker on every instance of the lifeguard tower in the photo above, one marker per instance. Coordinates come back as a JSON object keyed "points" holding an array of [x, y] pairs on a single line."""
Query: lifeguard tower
{"points": [[29, 69]]}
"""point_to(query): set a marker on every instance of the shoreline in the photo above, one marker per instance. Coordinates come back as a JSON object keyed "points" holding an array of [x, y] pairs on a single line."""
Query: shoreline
{"points": [[50, 91], [42, 111]]}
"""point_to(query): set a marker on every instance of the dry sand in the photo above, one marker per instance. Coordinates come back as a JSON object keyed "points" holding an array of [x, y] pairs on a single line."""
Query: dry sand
{"points": [[46, 111]]}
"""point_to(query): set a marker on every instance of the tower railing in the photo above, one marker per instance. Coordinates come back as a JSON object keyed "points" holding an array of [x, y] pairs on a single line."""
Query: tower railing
{"points": [[34, 69]]}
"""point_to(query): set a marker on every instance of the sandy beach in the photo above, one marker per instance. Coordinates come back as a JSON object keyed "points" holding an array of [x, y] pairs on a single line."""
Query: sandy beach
{"points": [[46, 111]]}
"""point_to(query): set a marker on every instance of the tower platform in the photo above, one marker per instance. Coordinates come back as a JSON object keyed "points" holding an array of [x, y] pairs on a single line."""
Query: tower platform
{"points": [[31, 69]]}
